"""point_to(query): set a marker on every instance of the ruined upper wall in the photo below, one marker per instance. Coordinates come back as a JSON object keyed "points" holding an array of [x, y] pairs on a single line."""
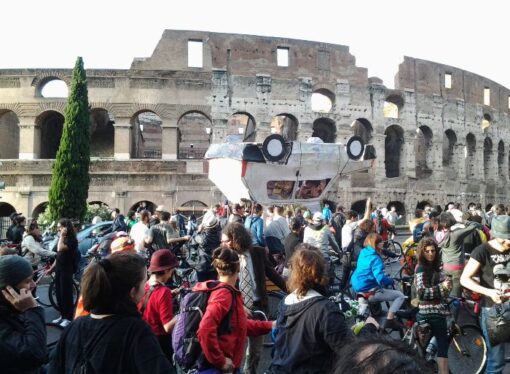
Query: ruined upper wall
{"points": [[427, 78], [248, 55]]}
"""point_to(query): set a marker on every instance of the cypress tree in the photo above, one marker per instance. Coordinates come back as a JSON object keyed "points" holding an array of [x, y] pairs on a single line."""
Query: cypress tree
{"points": [[70, 177]]}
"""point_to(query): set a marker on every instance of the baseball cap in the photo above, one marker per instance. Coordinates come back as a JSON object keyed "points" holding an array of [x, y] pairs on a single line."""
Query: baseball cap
{"points": [[500, 227], [163, 259], [317, 218]]}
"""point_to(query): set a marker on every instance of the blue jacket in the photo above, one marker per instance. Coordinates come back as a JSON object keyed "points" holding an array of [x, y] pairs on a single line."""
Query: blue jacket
{"points": [[255, 225], [369, 273]]}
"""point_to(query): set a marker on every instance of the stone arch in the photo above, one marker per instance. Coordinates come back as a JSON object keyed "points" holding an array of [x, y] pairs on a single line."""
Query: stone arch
{"points": [[393, 151], [400, 208], [324, 128], [40, 208], [363, 128], [9, 135], [146, 135], [393, 105], [193, 207], [51, 124], [470, 155], [97, 202], [322, 100], [54, 88], [102, 133], [6, 209], [359, 207], [486, 122], [41, 81], [144, 204], [286, 125], [423, 151], [501, 158], [242, 125], [449, 142], [487, 158], [194, 135]]}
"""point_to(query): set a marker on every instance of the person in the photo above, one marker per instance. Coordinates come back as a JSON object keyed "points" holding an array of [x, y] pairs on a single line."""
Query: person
{"points": [[255, 224], [119, 223], [192, 225], [290, 243], [156, 217], [326, 213], [18, 231], [22, 329], [479, 276], [67, 249], [140, 232], [378, 354], [369, 278], [131, 220], [338, 222], [450, 238], [432, 289], [352, 224], [237, 214], [156, 305], [255, 267], [113, 338], [310, 328], [181, 223], [162, 235], [211, 234], [392, 216], [9, 234], [224, 353], [276, 231], [319, 236]]}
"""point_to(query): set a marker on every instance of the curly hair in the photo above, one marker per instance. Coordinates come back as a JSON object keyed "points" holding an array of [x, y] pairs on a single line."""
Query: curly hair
{"points": [[307, 271], [422, 260], [239, 237]]}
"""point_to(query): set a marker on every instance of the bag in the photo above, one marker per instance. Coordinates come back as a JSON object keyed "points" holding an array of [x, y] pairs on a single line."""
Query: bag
{"points": [[498, 324], [187, 350], [418, 232]]}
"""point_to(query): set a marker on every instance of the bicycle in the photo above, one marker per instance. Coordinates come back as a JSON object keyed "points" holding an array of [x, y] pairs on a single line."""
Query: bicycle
{"points": [[392, 251], [466, 346]]}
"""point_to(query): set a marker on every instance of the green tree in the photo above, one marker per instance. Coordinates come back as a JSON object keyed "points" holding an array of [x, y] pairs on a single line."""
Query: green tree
{"points": [[70, 177]]}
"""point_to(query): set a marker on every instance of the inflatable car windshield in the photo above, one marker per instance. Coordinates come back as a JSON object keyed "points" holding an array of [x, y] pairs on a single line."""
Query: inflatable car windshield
{"points": [[280, 172]]}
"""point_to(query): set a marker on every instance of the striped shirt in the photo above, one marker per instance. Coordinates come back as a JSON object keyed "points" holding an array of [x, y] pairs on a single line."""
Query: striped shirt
{"points": [[431, 293]]}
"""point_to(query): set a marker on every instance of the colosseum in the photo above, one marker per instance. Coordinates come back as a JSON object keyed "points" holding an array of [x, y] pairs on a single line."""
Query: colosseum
{"points": [[441, 135]]}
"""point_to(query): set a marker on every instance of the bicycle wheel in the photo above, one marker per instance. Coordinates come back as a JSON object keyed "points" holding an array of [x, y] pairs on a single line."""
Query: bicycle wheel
{"points": [[53, 332], [52, 294], [42, 295], [395, 248], [467, 352]]}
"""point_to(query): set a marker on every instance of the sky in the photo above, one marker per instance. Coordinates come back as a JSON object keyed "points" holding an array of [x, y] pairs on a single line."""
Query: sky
{"points": [[471, 35]]}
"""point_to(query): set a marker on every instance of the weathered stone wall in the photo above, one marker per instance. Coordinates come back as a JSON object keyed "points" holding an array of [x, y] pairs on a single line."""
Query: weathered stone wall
{"points": [[433, 143]]}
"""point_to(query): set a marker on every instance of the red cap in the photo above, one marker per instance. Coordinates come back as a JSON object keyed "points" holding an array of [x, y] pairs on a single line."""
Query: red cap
{"points": [[163, 259]]}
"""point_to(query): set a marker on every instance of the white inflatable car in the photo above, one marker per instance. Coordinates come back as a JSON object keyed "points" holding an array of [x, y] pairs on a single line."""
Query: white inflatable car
{"points": [[279, 172]]}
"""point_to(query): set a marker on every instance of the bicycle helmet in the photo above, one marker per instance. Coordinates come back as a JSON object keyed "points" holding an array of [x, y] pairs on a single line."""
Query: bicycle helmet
{"points": [[123, 243]]}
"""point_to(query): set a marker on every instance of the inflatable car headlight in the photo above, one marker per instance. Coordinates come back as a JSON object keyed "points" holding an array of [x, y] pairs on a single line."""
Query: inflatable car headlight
{"points": [[274, 147], [355, 148]]}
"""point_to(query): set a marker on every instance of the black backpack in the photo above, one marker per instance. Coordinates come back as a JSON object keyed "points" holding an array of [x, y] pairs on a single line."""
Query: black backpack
{"points": [[188, 352]]}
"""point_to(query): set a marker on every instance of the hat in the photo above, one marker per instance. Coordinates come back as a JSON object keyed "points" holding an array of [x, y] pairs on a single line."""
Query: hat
{"points": [[500, 227], [160, 208], [210, 220], [163, 259], [124, 243], [317, 218], [14, 215], [13, 269]]}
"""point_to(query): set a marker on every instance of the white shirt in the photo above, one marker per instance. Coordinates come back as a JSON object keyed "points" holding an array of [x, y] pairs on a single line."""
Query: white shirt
{"points": [[347, 233], [139, 232]]}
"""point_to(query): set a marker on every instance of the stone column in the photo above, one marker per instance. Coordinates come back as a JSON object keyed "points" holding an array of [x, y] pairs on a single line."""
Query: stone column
{"points": [[504, 168], [123, 139], [170, 141], [378, 141], [408, 157], [459, 161], [29, 139]]}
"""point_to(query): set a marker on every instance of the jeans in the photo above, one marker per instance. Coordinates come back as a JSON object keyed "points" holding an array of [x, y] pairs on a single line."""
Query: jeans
{"points": [[384, 294], [495, 355]]}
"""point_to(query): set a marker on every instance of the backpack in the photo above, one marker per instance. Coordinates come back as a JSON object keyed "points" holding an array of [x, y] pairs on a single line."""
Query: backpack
{"points": [[187, 349], [418, 232]]}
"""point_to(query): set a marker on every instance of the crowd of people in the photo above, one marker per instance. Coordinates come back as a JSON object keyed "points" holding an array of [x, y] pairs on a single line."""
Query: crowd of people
{"points": [[126, 321]]}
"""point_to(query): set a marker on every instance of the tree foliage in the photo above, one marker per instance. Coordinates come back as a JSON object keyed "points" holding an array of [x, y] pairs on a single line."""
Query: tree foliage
{"points": [[70, 177]]}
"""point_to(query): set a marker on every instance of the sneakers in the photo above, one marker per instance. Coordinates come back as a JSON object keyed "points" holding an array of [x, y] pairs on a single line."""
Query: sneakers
{"points": [[392, 324], [57, 321], [64, 323]]}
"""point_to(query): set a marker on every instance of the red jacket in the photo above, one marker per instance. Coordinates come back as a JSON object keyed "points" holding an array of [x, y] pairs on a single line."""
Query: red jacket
{"points": [[217, 348]]}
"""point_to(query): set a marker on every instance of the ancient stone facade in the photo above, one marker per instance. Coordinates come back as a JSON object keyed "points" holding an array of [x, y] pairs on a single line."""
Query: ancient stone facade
{"points": [[441, 135]]}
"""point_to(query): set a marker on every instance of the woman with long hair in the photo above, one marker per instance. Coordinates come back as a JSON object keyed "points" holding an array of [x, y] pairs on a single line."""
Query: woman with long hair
{"points": [[224, 351], [310, 328], [67, 250], [369, 278], [113, 338], [432, 289]]}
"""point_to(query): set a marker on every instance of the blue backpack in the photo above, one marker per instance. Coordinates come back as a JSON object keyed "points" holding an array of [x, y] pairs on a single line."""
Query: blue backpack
{"points": [[418, 232], [187, 350]]}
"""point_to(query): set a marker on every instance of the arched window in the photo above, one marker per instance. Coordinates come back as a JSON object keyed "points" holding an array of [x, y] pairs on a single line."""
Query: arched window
{"points": [[146, 135], [322, 100], [449, 142], [423, 148], [392, 106], [470, 155], [9, 135], [54, 88], [286, 125], [194, 135], [362, 128], [393, 150], [51, 124], [487, 158], [325, 129], [102, 133], [241, 126]]}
